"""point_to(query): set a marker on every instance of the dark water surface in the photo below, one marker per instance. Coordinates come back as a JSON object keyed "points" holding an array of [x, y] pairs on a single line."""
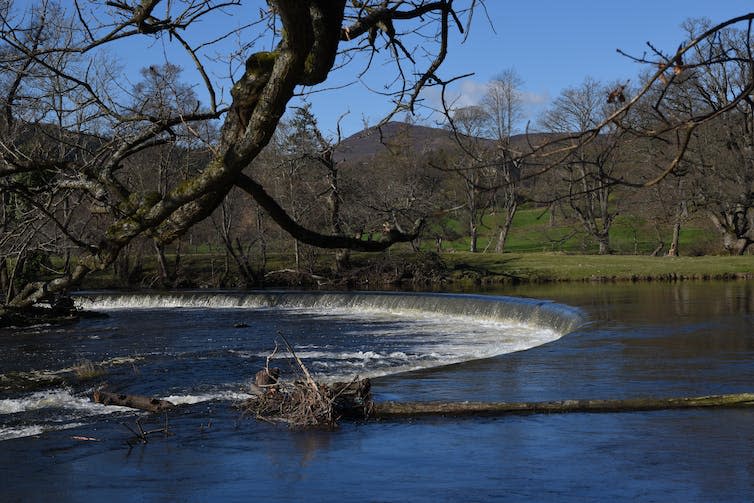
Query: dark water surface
{"points": [[681, 339]]}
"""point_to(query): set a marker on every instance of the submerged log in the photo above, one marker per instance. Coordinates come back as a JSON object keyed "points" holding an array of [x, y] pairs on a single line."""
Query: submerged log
{"points": [[133, 401], [390, 410]]}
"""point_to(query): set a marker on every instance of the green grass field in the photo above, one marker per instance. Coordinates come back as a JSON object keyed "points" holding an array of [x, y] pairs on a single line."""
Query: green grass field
{"points": [[566, 267], [532, 232]]}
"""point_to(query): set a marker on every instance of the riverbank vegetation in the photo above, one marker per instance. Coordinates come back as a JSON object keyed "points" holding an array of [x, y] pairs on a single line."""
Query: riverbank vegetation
{"points": [[453, 270]]}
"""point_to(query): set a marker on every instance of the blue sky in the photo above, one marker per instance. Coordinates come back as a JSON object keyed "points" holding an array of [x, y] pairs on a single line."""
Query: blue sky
{"points": [[550, 44]]}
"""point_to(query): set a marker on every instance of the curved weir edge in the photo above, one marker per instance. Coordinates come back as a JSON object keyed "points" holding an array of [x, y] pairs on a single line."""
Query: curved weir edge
{"points": [[548, 314]]}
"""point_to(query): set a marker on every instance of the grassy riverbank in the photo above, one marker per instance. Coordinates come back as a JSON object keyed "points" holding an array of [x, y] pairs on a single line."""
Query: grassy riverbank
{"points": [[534, 267]]}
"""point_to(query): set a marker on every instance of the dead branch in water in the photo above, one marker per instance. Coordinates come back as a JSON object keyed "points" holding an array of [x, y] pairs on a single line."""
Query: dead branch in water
{"points": [[308, 378], [141, 435]]}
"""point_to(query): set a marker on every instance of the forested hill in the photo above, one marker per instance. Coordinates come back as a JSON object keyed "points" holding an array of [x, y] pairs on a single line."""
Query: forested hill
{"points": [[392, 137], [386, 139]]}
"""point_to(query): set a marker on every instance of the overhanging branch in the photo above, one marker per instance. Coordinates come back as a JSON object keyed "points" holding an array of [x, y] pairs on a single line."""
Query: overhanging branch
{"points": [[310, 237]]}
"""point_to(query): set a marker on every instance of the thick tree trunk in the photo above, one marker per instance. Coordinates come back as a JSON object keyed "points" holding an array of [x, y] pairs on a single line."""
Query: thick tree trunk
{"points": [[680, 215], [604, 242], [505, 229], [473, 237], [297, 255], [394, 410], [736, 246], [342, 260], [735, 231], [166, 278], [673, 251], [5, 288]]}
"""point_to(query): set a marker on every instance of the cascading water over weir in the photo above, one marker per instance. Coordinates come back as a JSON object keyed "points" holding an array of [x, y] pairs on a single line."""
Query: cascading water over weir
{"points": [[532, 312], [200, 346]]}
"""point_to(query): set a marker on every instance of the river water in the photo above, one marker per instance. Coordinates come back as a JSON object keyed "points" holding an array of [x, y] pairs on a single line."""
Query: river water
{"points": [[614, 341]]}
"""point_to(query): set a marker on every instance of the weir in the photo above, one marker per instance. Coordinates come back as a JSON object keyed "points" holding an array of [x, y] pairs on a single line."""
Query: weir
{"points": [[546, 314]]}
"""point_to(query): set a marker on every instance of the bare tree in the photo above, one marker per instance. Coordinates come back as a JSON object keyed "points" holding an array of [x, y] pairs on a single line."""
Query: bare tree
{"points": [[655, 91], [472, 165], [41, 41], [589, 172], [312, 152], [242, 231], [504, 106], [503, 103], [723, 150]]}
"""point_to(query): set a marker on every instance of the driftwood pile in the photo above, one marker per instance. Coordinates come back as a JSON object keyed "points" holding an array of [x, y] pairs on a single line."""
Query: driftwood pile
{"points": [[304, 403]]}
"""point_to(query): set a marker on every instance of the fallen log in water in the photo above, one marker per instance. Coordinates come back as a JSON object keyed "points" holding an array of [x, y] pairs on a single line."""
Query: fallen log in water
{"points": [[396, 410], [132, 401]]}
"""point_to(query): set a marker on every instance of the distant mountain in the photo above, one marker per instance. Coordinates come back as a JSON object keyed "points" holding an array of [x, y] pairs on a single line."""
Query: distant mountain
{"points": [[373, 142], [391, 137]]}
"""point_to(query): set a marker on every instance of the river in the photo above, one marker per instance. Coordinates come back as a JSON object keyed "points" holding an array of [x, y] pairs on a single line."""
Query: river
{"points": [[595, 341]]}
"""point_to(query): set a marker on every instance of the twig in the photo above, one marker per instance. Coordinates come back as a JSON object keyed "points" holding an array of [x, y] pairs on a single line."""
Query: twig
{"points": [[303, 368], [269, 357], [142, 435]]}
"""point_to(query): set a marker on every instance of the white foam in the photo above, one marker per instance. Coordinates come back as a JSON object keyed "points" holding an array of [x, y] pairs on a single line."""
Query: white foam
{"points": [[70, 407], [234, 396], [55, 399], [345, 355], [7, 433]]}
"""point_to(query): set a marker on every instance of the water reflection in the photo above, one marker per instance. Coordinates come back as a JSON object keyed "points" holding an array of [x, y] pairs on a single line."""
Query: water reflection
{"points": [[631, 302], [681, 339]]}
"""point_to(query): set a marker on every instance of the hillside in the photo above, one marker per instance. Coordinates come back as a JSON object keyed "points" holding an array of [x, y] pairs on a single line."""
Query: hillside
{"points": [[382, 140]]}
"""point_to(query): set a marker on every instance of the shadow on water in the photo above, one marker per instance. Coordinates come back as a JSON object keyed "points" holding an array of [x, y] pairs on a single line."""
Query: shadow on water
{"points": [[677, 339]]}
